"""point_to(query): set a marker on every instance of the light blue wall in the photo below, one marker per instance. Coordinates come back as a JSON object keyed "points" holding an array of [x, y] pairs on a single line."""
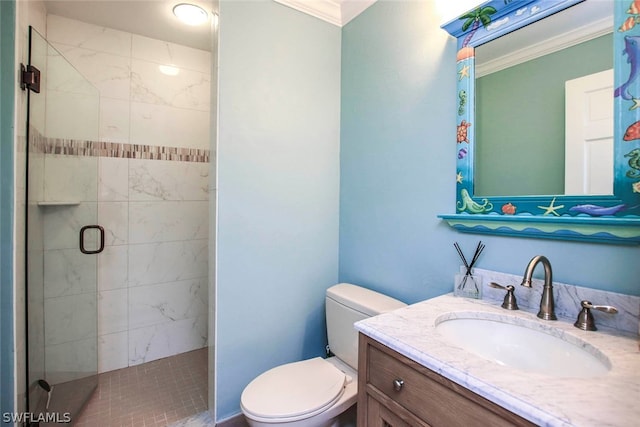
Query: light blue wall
{"points": [[7, 93], [278, 184], [398, 168], [398, 71]]}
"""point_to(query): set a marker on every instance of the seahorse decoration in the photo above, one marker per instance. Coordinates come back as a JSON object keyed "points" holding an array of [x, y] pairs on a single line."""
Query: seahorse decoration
{"points": [[463, 102], [634, 163], [468, 204]]}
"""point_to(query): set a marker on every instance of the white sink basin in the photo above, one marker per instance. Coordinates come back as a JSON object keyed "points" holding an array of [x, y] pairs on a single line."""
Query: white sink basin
{"points": [[523, 344]]}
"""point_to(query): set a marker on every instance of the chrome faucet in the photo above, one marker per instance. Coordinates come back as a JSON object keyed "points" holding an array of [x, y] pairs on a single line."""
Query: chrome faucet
{"points": [[547, 306]]}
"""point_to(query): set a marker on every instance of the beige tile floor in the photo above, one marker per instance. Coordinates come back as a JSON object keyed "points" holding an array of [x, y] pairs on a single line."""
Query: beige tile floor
{"points": [[155, 394]]}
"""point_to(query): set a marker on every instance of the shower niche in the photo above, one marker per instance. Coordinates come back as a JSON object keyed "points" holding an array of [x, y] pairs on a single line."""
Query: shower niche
{"points": [[63, 237]]}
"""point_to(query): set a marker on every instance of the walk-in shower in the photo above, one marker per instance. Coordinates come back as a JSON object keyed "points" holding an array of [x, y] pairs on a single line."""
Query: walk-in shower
{"points": [[119, 160]]}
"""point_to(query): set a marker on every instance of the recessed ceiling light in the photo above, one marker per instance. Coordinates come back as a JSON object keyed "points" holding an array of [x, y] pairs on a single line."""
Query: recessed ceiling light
{"points": [[190, 14], [169, 70]]}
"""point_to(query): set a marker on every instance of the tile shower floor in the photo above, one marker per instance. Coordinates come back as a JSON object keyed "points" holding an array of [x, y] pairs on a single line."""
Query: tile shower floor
{"points": [[156, 393]]}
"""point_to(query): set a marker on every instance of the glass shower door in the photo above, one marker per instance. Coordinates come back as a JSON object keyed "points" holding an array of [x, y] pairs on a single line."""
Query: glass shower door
{"points": [[63, 237]]}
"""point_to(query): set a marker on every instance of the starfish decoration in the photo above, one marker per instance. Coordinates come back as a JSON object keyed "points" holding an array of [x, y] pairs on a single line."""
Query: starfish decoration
{"points": [[636, 104], [464, 72], [459, 178], [551, 209]]}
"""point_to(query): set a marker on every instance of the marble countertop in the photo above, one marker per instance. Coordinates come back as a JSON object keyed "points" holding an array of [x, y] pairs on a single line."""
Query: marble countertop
{"points": [[609, 400]]}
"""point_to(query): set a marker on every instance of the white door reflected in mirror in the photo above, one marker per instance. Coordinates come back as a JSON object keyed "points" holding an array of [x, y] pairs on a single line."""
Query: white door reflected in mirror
{"points": [[589, 134]]}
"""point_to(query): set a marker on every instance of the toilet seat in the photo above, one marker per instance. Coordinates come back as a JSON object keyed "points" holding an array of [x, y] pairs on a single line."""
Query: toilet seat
{"points": [[293, 391]]}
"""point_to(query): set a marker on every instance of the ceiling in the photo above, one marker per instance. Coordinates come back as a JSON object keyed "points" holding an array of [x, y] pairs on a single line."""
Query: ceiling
{"points": [[151, 18], [154, 18]]}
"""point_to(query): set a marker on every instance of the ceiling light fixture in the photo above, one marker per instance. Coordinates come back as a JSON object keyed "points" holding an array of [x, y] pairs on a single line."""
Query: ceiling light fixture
{"points": [[169, 70], [190, 14]]}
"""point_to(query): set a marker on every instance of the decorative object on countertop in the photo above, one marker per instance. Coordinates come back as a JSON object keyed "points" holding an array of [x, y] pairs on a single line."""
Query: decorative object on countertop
{"points": [[509, 302], [466, 284], [585, 318]]}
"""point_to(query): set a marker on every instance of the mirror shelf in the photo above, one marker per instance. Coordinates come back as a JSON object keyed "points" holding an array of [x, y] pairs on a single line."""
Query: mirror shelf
{"points": [[605, 219], [597, 230]]}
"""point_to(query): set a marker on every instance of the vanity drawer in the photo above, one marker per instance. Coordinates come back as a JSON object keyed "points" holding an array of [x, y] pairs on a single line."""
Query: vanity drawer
{"points": [[394, 379]]}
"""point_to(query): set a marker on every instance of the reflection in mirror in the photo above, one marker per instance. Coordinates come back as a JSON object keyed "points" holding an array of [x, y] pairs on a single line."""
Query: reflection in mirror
{"points": [[608, 214], [521, 123]]}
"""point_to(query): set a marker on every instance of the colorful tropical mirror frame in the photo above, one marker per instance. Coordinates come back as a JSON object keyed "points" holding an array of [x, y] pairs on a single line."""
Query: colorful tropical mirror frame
{"points": [[606, 219]]}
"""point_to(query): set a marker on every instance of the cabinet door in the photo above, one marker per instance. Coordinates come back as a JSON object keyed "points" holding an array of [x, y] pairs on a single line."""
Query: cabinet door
{"points": [[379, 416], [425, 398]]}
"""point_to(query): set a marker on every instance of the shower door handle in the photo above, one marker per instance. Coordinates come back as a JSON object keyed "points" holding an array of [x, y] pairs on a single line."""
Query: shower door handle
{"points": [[89, 227]]}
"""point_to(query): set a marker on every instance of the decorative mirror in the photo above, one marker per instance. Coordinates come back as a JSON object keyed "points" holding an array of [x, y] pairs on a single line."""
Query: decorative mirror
{"points": [[586, 186]]}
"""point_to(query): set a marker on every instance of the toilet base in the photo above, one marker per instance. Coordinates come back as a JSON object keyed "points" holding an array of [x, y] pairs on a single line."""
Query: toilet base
{"points": [[345, 419]]}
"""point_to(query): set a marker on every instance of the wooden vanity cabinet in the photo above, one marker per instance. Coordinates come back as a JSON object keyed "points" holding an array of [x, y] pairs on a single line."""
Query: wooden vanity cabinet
{"points": [[394, 391]]}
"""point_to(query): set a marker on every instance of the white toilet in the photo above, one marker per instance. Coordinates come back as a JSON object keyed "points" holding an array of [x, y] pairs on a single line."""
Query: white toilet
{"points": [[315, 392]]}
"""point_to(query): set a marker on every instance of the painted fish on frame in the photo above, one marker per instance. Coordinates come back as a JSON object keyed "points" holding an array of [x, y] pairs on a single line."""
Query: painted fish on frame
{"points": [[632, 132], [596, 210]]}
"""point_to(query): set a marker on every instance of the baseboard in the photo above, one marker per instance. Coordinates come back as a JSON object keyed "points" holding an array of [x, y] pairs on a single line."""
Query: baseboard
{"points": [[235, 421]]}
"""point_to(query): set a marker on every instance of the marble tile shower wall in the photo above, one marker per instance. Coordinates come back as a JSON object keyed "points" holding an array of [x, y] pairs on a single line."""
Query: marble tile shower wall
{"points": [[139, 103], [152, 276]]}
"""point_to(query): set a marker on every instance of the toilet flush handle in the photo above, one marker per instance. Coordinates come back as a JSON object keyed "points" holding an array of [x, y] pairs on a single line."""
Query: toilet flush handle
{"points": [[397, 384]]}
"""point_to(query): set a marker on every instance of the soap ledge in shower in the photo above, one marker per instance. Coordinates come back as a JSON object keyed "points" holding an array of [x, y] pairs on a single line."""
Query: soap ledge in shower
{"points": [[63, 203]]}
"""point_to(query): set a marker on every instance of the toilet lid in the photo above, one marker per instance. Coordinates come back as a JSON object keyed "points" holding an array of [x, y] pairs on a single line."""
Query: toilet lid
{"points": [[295, 390]]}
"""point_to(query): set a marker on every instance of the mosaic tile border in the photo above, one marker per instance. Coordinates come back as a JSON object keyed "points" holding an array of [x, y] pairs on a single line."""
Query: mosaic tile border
{"points": [[72, 147]]}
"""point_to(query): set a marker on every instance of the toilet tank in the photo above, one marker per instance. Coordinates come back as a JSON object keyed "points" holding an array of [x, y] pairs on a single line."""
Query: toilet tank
{"points": [[345, 305]]}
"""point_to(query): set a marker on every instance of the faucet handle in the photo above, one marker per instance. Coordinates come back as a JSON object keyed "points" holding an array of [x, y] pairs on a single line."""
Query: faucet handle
{"points": [[585, 318], [509, 302]]}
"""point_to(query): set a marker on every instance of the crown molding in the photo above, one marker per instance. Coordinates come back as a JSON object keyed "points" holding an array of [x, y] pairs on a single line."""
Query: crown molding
{"points": [[351, 9], [336, 12], [547, 46]]}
